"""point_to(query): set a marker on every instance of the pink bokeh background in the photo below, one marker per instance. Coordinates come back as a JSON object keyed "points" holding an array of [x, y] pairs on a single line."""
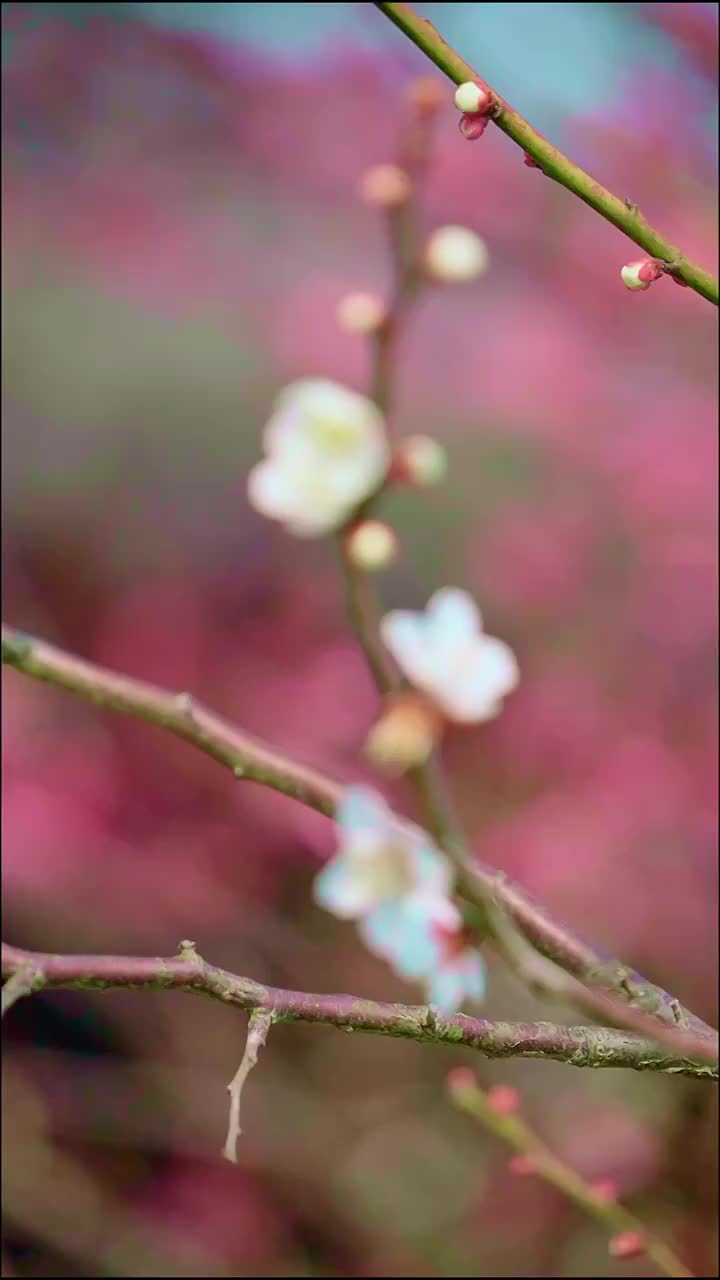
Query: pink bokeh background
{"points": [[175, 245]]}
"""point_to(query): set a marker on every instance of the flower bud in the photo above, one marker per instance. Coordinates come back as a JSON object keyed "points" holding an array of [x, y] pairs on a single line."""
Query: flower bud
{"points": [[427, 94], [472, 99], [360, 313], [640, 274], [521, 1166], [371, 545], [455, 255], [420, 461], [461, 1080], [385, 186], [528, 160], [627, 1244], [405, 734], [605, 1189], [472, 127], [503, 1099]]}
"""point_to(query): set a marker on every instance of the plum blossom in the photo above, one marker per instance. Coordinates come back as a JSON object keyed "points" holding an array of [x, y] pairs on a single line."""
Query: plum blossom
{"points": [[379, 862], [444, 653], [472, 99], [326, 449], [397, 885]]}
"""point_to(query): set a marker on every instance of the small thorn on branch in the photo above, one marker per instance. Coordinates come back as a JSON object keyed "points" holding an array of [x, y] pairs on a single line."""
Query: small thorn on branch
{"points": [[258, 1027]]}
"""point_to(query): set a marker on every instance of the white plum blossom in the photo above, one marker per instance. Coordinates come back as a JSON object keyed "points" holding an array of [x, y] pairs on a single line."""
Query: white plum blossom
{"points": [[444, 653], [392, 880], [379, 861], [471, 98], [326, 450]]}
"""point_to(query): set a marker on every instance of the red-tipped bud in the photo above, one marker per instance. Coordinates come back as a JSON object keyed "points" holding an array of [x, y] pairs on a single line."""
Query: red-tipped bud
{"points": [[461, 1080], [605, 1189], [640, 274], [628, 1244], [503, 1099], [521, 1166], [528, 160], [472, 127], [420, 460], [472, 99]]}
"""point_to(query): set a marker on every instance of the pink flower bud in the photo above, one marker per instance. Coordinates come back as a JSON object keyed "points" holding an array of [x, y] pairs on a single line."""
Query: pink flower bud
{"points": [[385, 186], [640, 274], [371, 545], [461, 1080], [472, 98], [521, 1166], [360, 313], [472, 127], [676, 280], [605, 1189], [628, 1244], [503, 1099], [528, 160]]}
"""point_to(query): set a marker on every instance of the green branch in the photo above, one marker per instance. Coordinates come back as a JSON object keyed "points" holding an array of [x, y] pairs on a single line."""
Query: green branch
{"points": [[622, 213]]}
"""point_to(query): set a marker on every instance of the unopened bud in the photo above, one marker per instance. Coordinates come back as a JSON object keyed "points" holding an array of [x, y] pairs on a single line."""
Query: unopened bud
{"points": [[628, 1244], [427, 94], [521, 1166], [461, 1080], [405, 734], [473, 127], [421, 461], [360, 313], [640, 274], [472, 99], [385, 186], [528, 160], [503, 1099], [371, 545], [455, 255], [605, 1189]]}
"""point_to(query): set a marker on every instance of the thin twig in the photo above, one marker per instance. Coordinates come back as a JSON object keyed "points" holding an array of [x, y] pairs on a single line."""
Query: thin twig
{"points": [[619, 994], [577, 1046], [622, 213], [259, 1024], [515, 1131], [22, 982]]}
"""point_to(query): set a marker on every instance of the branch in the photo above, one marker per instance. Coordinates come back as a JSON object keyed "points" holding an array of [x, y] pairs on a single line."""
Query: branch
{"points": [[594, 1199], [578, 1046], [624, 996], [623, 214], [259, 1025]]}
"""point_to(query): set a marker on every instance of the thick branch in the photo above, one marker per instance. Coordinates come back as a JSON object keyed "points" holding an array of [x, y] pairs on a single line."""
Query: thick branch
{"points": [[618, 995], [577, 1046], [622, 213]]}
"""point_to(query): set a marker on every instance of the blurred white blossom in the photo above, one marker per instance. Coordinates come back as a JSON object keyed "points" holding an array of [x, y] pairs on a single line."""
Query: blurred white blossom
{"points": [[397, 885], [326, 450], [444, 652], [378, 861]]}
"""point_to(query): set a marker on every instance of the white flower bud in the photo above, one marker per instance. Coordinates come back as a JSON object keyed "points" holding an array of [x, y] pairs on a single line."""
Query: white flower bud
{"points": [[455, 255], [360, 313], [422, 461], [372, 545], [471, 99], [640, 275]]}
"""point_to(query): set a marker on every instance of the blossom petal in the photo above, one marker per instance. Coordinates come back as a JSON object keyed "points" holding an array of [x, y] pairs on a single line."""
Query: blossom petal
{"points": [[337, 890], [405, 635], [491, 673]]}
